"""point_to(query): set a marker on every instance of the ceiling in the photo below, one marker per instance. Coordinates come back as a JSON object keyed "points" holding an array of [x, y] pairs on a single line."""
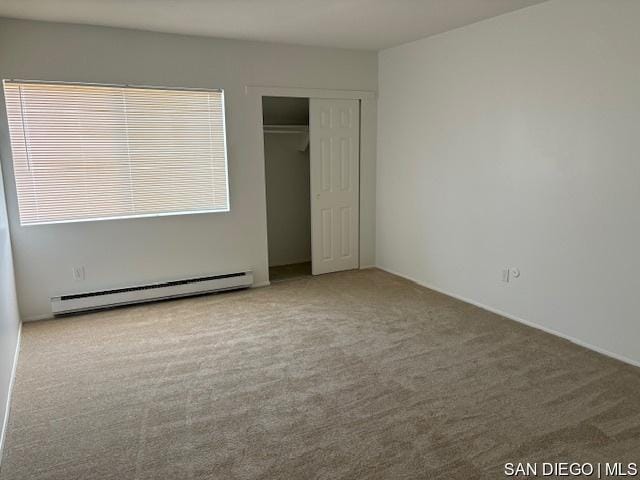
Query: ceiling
{"points": [[360, 24]]}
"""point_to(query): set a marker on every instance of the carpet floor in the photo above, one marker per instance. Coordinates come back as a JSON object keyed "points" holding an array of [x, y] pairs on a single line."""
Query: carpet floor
{"points": [[356, 375]]}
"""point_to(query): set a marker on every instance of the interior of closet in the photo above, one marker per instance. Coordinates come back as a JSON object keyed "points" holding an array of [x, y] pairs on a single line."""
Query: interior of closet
{"points": [[286, 152]]}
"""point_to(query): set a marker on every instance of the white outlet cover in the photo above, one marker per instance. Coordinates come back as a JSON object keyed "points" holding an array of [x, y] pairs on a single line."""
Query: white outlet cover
{"points": [[78, 273], [505, 275]]}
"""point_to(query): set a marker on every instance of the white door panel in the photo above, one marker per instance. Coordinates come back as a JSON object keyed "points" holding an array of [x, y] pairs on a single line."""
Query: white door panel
{"points": [[334, 130]]}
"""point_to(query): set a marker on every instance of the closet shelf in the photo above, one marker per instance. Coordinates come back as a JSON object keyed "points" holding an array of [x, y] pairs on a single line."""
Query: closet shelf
{"points": [[286, 128]]}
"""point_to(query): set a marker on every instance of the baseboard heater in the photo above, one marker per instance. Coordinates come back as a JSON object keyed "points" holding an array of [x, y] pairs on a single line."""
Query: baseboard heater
{"points": [[79, 302]]}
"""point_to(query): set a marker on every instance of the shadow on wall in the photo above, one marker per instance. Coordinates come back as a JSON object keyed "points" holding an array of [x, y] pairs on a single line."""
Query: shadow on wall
{"points": [[9, 317]]}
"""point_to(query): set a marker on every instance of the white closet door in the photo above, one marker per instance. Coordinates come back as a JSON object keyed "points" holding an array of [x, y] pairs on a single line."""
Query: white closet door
{"points": [[334, 129]]}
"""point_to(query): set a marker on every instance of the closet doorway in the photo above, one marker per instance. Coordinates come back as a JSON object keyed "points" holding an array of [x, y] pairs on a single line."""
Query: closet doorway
{"points": [[312, 174], [287, 175]]}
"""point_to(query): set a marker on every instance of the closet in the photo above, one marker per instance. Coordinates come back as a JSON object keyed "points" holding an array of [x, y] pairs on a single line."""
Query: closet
{"points": [[287, 170]]}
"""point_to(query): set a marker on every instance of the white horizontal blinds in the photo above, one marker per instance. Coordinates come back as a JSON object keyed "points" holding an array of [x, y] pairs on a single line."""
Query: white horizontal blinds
{"points": [[83, 152]]}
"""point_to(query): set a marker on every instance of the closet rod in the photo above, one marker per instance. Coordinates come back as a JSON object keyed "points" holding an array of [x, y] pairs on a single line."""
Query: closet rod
{"points": [[286, 128]]}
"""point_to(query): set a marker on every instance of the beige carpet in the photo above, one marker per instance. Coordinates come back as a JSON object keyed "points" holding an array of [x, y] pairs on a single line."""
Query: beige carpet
{"points": [[357, 375]]}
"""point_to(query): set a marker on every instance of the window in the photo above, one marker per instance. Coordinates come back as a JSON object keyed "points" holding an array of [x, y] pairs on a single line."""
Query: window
{"points": [[92, 152]]}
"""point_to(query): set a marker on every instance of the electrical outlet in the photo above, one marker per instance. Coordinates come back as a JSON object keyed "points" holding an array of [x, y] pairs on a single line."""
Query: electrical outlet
{"points": [[78, 273], [505, 275]]}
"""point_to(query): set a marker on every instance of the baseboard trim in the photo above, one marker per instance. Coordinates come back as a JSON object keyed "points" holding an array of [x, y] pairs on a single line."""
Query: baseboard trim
{"points": [[261, 284], [36, 318], [12, 381], [366, 267], [289, 262], [528, 323]]}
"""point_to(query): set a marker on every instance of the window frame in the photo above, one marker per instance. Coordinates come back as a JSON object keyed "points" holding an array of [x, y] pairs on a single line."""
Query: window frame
{"points": [[221, 91]]}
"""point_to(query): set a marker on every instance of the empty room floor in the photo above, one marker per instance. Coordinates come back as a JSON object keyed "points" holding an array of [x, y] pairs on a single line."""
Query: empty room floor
{"points": [[352, 375]]}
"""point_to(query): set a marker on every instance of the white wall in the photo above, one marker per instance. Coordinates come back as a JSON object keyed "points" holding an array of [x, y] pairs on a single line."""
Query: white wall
{"points": [[516, 142], [9, 317], [119, 252], [288, 201]]}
